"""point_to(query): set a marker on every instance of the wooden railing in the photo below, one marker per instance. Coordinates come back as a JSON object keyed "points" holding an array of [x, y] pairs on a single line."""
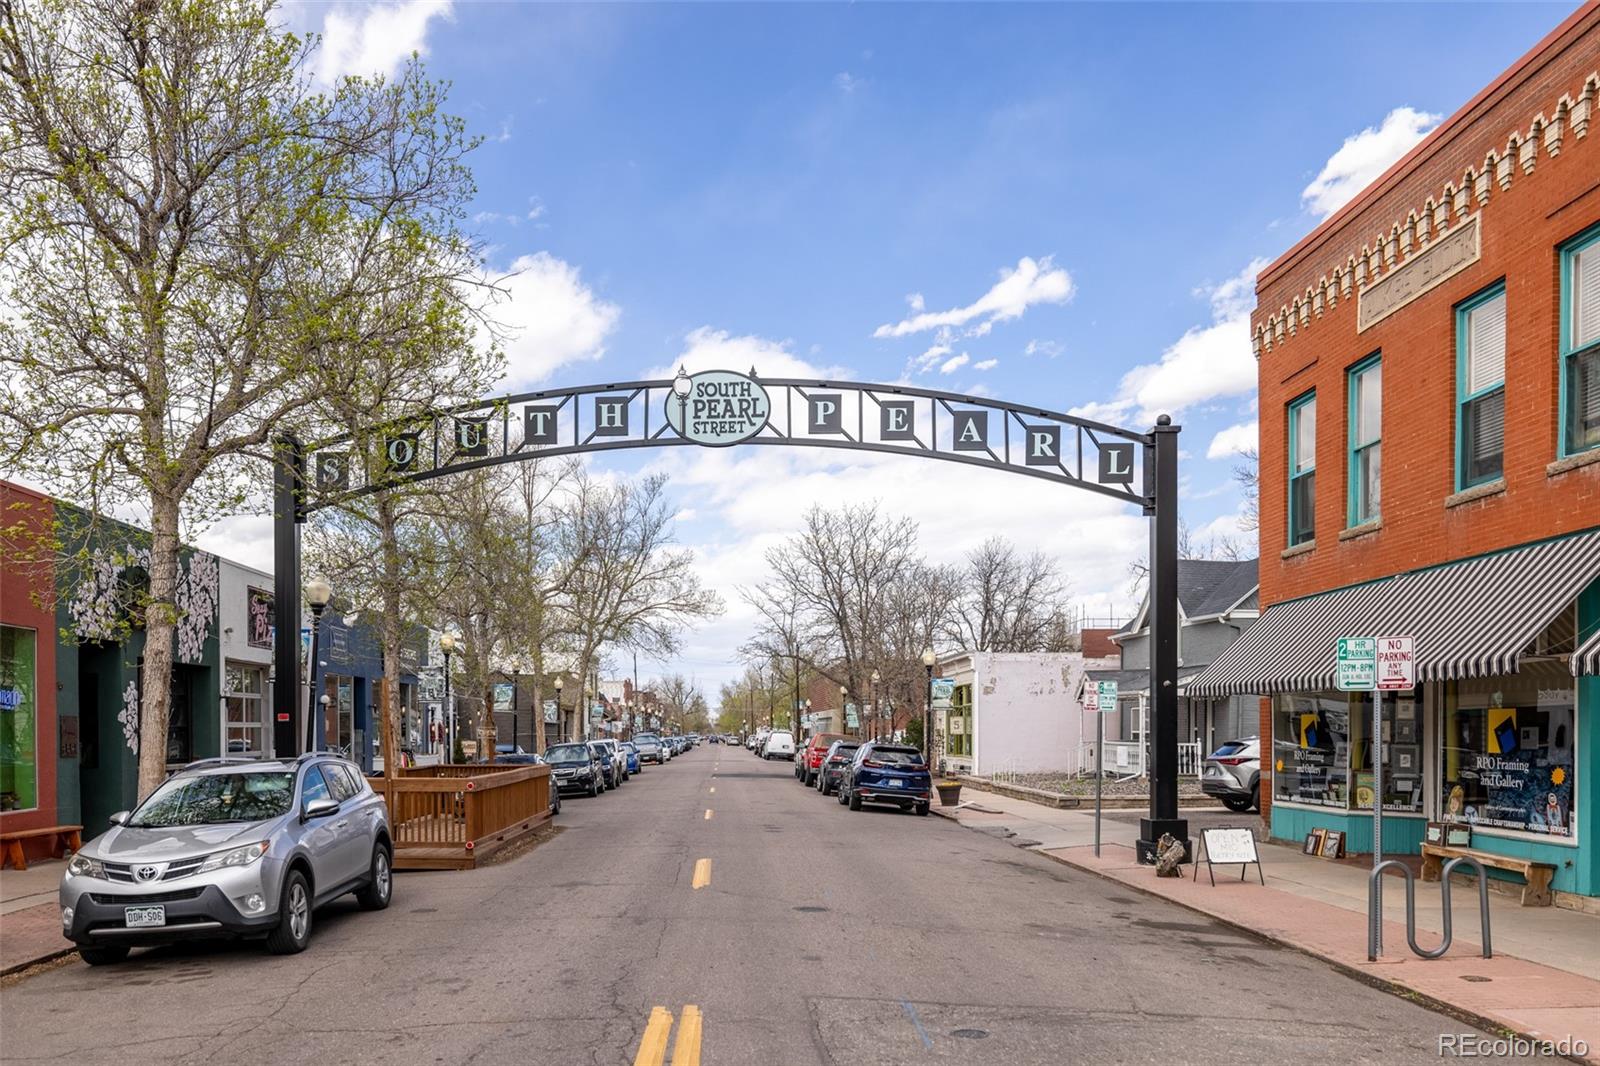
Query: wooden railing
{"points": [[452, 815]]}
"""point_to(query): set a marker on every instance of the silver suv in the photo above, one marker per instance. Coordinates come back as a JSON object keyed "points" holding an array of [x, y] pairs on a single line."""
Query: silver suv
{"points": [[230, 849]]}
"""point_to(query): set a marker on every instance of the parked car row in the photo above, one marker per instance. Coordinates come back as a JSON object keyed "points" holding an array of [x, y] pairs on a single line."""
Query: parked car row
{"points": [[592, 767], [861, 772]]}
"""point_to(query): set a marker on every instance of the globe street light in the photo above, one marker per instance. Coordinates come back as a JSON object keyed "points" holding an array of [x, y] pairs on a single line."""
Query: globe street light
{"points": [[559, 721], [681, 386], [877, 706], [318, 592], [447, 644], [928, 659]]}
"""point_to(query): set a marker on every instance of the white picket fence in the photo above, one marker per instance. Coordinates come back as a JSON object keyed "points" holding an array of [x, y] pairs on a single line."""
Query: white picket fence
{"points": [[1130, 758]]}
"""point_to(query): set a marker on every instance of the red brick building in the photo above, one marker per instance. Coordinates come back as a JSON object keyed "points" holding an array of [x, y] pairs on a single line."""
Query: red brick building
{"points": [[1429, 383], [28, 724]]}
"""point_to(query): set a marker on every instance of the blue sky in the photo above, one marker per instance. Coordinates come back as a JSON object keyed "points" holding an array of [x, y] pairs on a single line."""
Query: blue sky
{"points": [[775, 184]]}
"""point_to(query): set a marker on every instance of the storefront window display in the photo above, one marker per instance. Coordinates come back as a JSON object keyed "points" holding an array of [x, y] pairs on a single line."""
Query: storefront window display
{"points": [[1506, 753], [1311, 748], [958, 723], [1401, 751], [19, 780]]}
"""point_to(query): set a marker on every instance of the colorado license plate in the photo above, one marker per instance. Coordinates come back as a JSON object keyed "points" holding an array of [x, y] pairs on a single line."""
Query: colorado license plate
{"points": [[892, 783], [144, 917]]}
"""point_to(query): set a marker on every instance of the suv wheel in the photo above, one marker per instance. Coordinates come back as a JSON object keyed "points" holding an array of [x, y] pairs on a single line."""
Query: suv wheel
{"points": [[1238, 804], [293, 931], [380, 881], [104, 955], [855, 800]]}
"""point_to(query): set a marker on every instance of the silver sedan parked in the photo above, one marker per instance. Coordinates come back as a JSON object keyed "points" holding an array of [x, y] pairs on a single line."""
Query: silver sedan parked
{"points": [[230, 849]]}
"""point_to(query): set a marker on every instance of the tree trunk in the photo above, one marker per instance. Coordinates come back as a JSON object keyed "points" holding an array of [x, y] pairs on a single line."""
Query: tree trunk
{"points": [[160, 626]]}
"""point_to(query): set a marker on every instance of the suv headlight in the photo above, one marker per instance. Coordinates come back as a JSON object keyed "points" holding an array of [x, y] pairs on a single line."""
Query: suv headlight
{"points": [[234, 857], [83, 866]]}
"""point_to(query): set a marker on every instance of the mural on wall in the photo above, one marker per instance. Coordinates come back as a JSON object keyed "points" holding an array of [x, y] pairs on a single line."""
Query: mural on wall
{"points": [[100, 604], [198, 597], [129, 716]]}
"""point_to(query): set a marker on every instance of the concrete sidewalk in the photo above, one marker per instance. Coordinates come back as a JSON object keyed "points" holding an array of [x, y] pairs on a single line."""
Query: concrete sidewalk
{"points": [[1543, 981], [30, 919]]}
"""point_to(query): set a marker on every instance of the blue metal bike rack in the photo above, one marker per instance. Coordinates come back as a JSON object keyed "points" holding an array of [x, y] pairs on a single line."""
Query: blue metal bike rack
{"points": [[1375, 907]]}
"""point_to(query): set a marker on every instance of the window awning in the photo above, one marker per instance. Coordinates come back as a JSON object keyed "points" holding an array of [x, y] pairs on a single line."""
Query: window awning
{"points": [[1471, 618], [1290, 647], [1586, 660]]}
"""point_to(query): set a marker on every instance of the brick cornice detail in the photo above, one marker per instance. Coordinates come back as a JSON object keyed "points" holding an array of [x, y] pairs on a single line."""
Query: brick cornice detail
{"points": [[1439, 216]]}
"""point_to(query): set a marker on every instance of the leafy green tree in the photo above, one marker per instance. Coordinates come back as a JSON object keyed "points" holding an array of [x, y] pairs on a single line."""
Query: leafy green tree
{"points": [[190, 236]]}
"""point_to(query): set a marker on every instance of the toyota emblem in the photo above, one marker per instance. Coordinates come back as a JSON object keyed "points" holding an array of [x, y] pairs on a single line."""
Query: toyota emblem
{"points": [[147, 873]]}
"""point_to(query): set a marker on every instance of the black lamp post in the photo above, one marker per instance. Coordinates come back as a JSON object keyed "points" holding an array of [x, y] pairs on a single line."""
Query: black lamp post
{"points": [[927, 709], [447, 644], [844, 709], [877, 706], [318, 593], [795, 714], [559, 722]]}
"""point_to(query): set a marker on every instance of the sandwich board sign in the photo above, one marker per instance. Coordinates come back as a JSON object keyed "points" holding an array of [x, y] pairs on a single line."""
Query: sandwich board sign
{"points": [[1358, 664], [1230, 844]]}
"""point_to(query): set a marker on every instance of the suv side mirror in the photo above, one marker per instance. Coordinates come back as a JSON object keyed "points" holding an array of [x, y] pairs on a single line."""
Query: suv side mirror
{"points": [[120, 818], [320, 808]]}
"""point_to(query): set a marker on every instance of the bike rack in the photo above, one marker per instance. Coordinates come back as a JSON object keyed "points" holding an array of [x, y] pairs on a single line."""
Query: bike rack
{"points": [[1375, 907]]}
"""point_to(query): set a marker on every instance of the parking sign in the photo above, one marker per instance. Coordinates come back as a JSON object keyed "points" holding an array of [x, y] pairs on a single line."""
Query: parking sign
{"points": [[1397, 663]]}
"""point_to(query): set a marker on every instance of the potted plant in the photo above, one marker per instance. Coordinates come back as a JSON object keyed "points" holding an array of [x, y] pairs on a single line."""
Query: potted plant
{"points": [[949, 786]]}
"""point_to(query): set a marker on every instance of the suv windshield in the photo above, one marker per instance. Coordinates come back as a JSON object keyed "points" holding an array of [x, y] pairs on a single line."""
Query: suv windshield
{"points": [[208, 799], [571, 753]]}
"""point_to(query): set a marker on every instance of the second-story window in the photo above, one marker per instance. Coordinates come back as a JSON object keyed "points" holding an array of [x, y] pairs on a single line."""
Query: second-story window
{"points": [[1366, 439], [1303, 469], [1481, 412], [1580, 344]]}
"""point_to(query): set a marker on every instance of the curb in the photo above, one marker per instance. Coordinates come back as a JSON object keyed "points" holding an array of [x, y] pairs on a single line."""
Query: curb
{"points": [[1394, 988], [1062, 801], [38, 961]]}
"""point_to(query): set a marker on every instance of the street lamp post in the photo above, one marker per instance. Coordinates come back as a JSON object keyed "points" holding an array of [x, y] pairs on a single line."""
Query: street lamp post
{"points": [[558, 707], [844, 709], [877, 706], [927, 709], [795, 714], [318, 593], [447, 644], [515, 677], [323, 703]]}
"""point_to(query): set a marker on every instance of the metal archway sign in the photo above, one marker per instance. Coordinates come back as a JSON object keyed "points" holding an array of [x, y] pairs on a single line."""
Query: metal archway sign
{"points": [[723, 408]]}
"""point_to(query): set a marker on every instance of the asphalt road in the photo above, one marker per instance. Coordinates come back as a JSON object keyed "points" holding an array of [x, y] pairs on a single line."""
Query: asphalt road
{"points": [[817, 936]]}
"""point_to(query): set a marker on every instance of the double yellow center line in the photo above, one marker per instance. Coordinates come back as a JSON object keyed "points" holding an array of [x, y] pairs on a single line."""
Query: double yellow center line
{"points": [[653, 1045]]}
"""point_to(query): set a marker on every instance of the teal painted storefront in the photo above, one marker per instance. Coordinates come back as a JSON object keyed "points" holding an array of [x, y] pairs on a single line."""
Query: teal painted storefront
{"points": [[98, 664], [1576, 858]]}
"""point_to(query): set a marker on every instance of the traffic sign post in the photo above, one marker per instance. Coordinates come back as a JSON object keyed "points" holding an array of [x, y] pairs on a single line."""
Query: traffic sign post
{"points": [[1377, 665], [1103, 695]]}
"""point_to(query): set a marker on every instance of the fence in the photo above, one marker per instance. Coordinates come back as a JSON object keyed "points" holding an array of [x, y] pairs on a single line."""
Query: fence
{"points": [[450, 816], [1131, 758]]}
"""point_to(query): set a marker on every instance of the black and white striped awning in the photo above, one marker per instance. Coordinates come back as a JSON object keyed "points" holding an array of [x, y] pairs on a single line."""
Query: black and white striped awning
{"points": [[1290, 648], [1471, 618], [1586, 660]]}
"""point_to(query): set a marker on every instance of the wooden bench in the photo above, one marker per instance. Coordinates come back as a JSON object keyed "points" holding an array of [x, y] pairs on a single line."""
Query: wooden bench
{"points": [[1536, 893], [64, 839]]}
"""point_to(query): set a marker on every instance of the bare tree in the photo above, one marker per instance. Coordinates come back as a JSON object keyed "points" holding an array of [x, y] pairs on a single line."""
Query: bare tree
{"points": [[632, 588], [183, 224], [1247, 475], [1006, 601]]}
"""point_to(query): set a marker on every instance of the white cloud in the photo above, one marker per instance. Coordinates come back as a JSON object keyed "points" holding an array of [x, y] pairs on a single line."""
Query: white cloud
{"points": [[1037, 347], [367, 39], [552, 319], [1206, 363], [1364, 156], [954, 363], [1234, 440], [929, 359], [706, 348], [847, 83], [986, 364], [1031, 282], [915, 301]]}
